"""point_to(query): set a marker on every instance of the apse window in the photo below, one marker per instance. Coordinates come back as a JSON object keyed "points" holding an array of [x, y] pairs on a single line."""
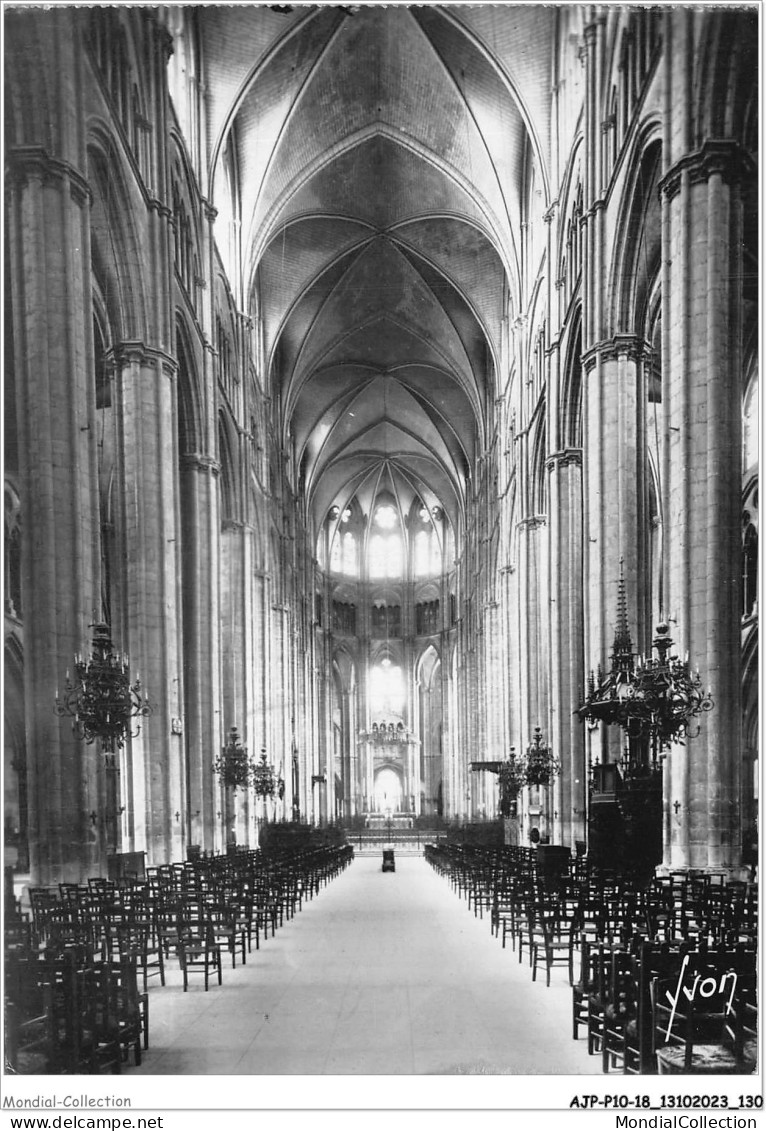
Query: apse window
{"points": [[386, 689], [385, 557], [428, 558], [344, 557]]}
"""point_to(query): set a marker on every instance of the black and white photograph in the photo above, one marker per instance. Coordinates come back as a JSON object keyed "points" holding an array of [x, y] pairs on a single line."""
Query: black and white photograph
{"points": [[381, 568]]}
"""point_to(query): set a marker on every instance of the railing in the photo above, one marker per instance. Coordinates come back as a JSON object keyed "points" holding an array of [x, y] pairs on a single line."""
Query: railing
{"points": [[413, 840]]}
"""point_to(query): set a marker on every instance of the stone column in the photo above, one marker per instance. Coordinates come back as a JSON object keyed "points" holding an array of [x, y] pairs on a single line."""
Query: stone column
{"points": [[493, 666], [147, 461], [614, 474], [566, 621], [48, 236], [200, 542], [233, 621], [532, 642], [702, 295], [279, 726]]}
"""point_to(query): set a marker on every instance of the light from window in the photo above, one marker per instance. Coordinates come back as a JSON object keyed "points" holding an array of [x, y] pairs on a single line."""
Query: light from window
{"points": [[335, 555], [427, 553], [343, 555], [421, 552], [350, 564], [385, 556], [386, 517], [386, 690]]}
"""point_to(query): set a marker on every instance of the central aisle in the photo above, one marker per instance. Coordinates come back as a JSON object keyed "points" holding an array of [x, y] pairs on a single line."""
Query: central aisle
{"points": [[381, 973]]}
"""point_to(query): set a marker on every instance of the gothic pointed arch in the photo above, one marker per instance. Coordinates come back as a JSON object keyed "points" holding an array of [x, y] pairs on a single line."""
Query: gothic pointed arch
{"points": [[115, 246], [190, 421], [637, 248], [570, 423]]}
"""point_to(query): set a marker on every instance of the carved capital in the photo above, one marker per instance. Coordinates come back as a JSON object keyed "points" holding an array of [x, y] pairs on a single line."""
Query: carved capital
{"points": [[206, 464], [621, 345], [32, 162], [156, 205], [565, 458], [138, 353], [533, 522], [726, 159]]}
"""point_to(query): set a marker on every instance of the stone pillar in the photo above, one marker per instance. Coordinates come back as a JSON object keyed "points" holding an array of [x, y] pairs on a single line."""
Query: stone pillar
{"points": [[147, 461], [702, 294], [48, 236], [279, 726], [493, 667], [202, 730], [532, 641], [234, 699], [614, 474], [566, 620]]}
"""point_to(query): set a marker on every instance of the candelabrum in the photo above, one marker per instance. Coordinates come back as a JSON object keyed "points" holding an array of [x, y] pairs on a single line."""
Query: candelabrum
{"points": [[239, 771], [656, 699], [233, 765], [666, 697], [541, 766], [101, 699], [266, 782], [535, 767], [512, 777]]}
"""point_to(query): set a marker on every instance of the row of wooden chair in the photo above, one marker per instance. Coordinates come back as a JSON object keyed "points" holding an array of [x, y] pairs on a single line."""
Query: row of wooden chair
{"points": [[616, 939], [67, 1015], [78, 967], [622, 999]]}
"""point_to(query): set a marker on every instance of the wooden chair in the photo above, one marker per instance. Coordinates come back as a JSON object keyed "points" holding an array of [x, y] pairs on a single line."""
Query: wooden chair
{"points": [[228, 931], [198, 948], [140, 940], [585, 984], [654, 959], [621, 1008], [552, 945], [598, 997], [703, 1033], [82, 1041], [126, 1008], [30, 1044]]}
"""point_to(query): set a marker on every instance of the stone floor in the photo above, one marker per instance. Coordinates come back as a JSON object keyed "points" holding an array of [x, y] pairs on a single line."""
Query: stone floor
{"points": [[380, 974]]}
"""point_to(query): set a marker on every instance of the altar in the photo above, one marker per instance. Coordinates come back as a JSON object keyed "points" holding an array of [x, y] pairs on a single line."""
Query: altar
{"points": [[394, 821]]}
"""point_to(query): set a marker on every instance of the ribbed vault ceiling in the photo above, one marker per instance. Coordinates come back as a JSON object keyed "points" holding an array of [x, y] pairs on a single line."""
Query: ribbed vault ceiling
{"points": [[381, 155]]}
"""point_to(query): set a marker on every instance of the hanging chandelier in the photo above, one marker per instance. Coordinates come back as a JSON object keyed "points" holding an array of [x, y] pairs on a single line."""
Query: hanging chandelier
{"points": [[536, 767], [101, 699], [541, 765], [265, 780], [656, 699], [232, 765], [239, 771], [512, 777], [666, 696]]}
